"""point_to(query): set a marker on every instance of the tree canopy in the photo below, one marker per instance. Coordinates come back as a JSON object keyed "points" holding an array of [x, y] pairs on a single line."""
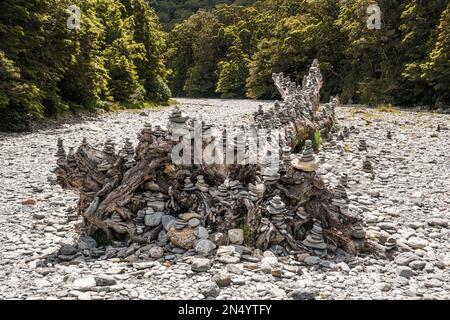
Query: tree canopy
{"points": [[232, 50], [47, 67]]}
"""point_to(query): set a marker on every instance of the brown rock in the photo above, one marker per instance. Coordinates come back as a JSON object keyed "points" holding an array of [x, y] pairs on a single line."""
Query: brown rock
{"points": [[28, 202], [277, 272], [183, 238], [221, 279]]}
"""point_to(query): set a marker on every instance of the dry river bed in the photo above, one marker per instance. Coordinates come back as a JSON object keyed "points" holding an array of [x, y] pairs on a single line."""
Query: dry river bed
{"points": [[409, 198]]}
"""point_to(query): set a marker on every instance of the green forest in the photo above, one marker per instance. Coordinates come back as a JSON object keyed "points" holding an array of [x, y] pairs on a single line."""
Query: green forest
{"points": [[130, 52]]}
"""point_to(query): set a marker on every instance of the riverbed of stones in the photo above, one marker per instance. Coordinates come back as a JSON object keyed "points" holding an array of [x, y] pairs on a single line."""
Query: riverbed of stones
{"points": [[407, 197]]}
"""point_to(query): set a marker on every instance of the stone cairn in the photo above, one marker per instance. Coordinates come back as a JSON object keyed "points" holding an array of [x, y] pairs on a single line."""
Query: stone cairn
{"points": [[315, 239], [367, 165], [277, 211], [362, 145], [306, 162], [140, 194]]}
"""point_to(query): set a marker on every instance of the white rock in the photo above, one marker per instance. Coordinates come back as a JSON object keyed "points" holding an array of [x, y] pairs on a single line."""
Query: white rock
{"points": [[227, 251], [84, 284], [417, 243]]}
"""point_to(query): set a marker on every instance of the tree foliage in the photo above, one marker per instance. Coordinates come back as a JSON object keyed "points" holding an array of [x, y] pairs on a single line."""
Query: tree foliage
{"points": [[46, 68], [404, 62]]}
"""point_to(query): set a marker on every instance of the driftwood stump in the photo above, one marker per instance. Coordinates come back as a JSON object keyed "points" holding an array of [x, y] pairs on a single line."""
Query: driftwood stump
{"points": [[123, 194]]}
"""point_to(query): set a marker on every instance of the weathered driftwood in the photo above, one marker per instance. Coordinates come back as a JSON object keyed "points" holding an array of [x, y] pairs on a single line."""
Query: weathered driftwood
{"points": [[272, 207]]}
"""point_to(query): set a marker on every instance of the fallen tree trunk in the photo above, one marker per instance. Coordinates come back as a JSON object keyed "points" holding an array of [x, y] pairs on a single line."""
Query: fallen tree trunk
{"points": [[144, 192]]}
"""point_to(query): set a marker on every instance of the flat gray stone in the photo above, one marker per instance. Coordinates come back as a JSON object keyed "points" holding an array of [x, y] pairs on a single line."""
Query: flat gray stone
{"points": [[153, 219], [167, 221], [405, 272], [204, 247]]}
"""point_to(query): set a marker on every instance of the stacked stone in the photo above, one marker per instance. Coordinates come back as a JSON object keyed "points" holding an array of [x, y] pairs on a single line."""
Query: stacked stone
{"points": [[71, 160], [362, 145], [389, 135], [108, 151], [344, 180], [190, 219], [177, 121], [148, 129], [277, 107], [270, 175], [156, 202], [128, 152], [235, 189], [206, 132], [341, 199], [146, 133], [301, 214], [276, 121], [277, 211], [201, 184], [60, 152], [284, 116], [252, 193], [358, 232], [109, 148], [391, 243], [260, 109], [267, 120], [285, 158], [180, 224], [315, 239], [222, 194], [159, 132], [346, 132], [290, 214], [367, 165], [258, 115], [188, 185], [306, 162]]}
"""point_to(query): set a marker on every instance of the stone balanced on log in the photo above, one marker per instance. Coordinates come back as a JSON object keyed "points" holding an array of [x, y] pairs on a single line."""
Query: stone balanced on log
{"points": [[142, 194]]}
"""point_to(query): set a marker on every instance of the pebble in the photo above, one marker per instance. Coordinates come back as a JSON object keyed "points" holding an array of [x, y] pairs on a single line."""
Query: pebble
{"points": [[194, 222], [303, 294], [156, 252], [417, 265], [405, 258], [222, 279], [417, 243], [104, 280], [405, 272], [236, 236], [311, 260], [204, 247], [200, 265], [209, 289], [84, 284], [153, 219]]}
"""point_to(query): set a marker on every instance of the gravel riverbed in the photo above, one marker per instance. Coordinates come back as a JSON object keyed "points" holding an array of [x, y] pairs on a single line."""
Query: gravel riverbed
{"points": [[409, 198]]}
